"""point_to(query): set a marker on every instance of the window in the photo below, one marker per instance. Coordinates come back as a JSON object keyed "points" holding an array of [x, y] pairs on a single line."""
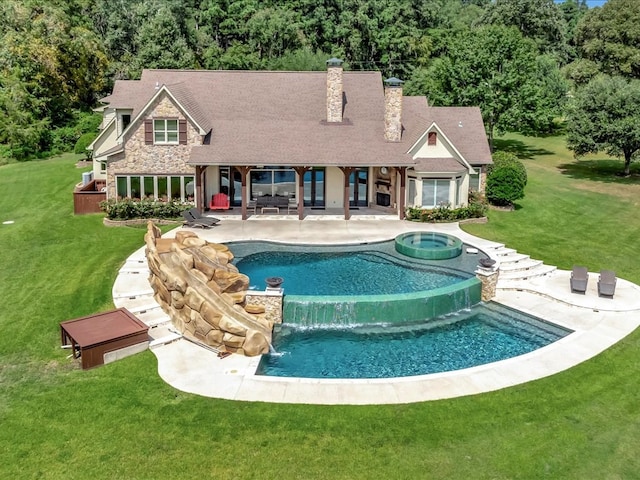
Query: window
{"points": [[273, 180], [435, 192], [126, 120], [165, 131], [432, 139], [103, 167], [160, 187], [474, 180]]}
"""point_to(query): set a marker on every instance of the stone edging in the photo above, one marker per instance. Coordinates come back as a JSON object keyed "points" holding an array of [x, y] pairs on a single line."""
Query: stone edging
{"points": [[136, 221]]}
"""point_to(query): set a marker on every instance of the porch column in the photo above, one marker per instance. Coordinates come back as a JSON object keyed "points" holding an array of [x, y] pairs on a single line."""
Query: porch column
{"points": [[403, 189], [200, 203], [301, 171], [346, 171], [244, 171]]}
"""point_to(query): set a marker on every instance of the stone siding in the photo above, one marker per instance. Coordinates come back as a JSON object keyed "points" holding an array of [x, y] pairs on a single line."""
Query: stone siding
{"points": [[334, 94], [139, 158], [489, 279], [272, 304], [392, 114]]}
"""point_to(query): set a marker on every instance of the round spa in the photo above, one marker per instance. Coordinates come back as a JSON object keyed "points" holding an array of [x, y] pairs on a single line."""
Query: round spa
{"points": [[428, 245]]}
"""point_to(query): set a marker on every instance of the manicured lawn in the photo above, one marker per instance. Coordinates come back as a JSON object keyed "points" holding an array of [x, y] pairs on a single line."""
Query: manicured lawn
{"points": [[123, 421]]}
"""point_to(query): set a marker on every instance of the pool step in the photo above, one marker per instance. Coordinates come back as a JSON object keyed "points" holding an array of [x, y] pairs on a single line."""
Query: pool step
{"points": [[519, 266], [158, 342], [513, 258], [154, 317], [515, 275], [136, 304], [502, 251], [516, 266]]}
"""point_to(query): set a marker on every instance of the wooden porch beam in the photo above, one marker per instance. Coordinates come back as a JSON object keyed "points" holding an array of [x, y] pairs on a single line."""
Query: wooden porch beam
{"points": [[244, 171], [199, 193], [402, 171], [346, 171], [301, 171]]}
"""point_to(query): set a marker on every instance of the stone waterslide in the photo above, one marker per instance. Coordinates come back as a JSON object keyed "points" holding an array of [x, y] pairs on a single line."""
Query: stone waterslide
{"points": [[196, 284]]}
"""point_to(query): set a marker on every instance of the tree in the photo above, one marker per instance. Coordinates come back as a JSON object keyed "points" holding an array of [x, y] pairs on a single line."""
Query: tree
{"points": [[21, 129], [610, 37], [496, 69], [539, 20], [603, 116]]}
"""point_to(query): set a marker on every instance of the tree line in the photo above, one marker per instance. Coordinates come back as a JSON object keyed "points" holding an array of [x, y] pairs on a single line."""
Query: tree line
{"points": [[521, 61]]}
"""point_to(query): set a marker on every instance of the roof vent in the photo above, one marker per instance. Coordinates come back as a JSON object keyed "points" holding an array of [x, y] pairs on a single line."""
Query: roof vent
{"points": [[157, 85], [460, 124]]}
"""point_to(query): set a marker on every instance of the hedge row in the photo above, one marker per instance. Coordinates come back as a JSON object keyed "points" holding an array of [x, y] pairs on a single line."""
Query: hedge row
{"points": [[128, 209]]}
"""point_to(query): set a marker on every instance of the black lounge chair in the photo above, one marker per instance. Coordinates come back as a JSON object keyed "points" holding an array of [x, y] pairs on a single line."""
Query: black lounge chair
{"points": [[579, 279], [607, 283], [193, 218]]}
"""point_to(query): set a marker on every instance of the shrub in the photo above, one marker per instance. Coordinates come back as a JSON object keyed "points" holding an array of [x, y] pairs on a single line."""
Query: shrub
{"points": [[506, 159], [83, 142], [129, 209], [444, 212], [505, 185]]}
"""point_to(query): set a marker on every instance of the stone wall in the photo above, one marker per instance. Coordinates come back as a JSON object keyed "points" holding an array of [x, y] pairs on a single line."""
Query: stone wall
{"points": [[334, 94], [139, 158], [489, 279], [204, 294], [393, 114]]}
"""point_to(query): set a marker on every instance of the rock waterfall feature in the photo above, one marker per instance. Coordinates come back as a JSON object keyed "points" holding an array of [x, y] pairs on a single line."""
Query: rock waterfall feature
{"points": [[195, 282]]}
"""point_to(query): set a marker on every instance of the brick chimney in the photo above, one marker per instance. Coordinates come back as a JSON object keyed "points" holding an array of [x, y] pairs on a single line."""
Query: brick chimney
{"points": [[393, 109], [334, 90]]}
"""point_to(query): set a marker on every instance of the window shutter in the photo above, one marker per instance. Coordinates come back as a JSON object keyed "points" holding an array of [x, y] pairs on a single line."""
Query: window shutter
{"points": [[148, 132], [182, 131]]}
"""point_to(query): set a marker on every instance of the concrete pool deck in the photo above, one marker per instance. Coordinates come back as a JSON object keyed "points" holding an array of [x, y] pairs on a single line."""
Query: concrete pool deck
{"points": [[598, 323]]}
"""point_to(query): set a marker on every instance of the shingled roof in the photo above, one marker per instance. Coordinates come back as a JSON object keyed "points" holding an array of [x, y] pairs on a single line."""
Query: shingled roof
{"points": [[278, 118]]}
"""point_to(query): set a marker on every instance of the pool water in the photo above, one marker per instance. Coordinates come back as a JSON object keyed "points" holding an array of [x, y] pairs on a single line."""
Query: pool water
{"points": [[343, 270], [486, 333], [428, 245], [345, 273]]}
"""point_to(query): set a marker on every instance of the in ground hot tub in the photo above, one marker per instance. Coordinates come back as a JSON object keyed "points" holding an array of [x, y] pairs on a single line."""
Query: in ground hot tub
{"points": [[428, 245]]}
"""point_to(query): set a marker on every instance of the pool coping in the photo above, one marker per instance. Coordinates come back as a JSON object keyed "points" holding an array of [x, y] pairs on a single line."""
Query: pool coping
{"points": [[597, 323]]}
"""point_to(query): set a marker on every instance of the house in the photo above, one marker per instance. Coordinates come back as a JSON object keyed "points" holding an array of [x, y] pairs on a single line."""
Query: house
{"points": [[322, 140]]}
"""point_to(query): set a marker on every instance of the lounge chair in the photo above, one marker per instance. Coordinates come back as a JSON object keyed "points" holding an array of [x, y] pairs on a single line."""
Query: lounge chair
{"points": [[579, 279], [607, 283], [219, 201], [193, 218]]}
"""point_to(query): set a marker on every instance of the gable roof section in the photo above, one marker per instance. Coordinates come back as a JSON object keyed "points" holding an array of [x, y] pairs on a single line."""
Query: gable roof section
{"points": [[439, 165], [103, 133], [278, 118], [464, 128], [459, 158]]}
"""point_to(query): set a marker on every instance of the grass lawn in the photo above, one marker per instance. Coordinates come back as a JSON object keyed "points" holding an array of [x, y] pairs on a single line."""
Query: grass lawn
{"points": [[121, 421]]}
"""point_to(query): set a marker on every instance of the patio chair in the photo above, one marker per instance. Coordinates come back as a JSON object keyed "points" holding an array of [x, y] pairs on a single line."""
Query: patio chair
{"points": [[607, 283], [219, 201], [193, 218], [579, 279]]}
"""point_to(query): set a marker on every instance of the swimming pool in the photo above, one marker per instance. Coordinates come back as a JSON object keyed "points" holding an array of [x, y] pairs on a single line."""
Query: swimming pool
{"points": [[486, 333], [366, 283], [364, 269]]}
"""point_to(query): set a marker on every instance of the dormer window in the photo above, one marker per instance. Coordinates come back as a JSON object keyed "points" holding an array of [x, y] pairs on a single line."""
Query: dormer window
{"points": [[432, 138], [165, 131]]}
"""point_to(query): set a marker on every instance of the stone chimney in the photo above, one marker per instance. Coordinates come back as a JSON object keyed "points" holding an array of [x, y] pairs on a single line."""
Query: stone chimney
{"points": [[393, 109], [334, 90]]}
